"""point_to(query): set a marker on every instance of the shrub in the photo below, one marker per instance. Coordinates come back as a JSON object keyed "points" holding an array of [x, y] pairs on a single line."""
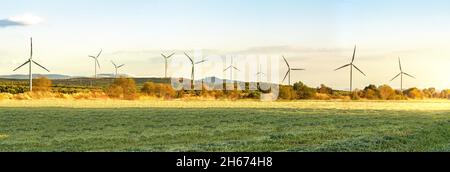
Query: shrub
{"points": [[324, 90], [123, 88], [414, 93], [321, 96], [158, 90], [445, 94], [429, 93], [303, 91], [371, 92], [386, 92], [355, 95], [287, 93], [42, 84], [13, 89]]}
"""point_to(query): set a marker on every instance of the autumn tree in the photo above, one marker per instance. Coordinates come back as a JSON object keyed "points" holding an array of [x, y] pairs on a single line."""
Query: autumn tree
{"points": [[414, 93], [303, 91], [158, 90], [386, 92], [287, 92], [323, 89], [42, 84], [371, 92], [123, 88]]}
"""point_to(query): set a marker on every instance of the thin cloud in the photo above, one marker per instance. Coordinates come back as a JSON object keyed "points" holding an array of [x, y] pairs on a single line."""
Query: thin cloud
{"points": [[21, 20]]}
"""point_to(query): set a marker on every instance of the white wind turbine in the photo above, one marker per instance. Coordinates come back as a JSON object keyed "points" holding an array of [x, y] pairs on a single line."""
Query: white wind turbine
{"points": [[96, 63], [116, 67], [288, 73], [231, 68], [401, 74], [29, 62], [166, 58], [351, 69], [193, 68]]}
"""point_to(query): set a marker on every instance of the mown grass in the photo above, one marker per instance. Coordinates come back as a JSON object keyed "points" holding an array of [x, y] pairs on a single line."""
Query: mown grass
{"points": [[222, 129]]}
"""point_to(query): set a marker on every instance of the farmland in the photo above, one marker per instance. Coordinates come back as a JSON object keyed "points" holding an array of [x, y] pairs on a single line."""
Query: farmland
{"points": [[154, 125]]}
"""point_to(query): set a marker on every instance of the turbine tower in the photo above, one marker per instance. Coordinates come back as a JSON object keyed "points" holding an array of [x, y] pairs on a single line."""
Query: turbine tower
{"points": [[166, 58], [401, 74], [193, 68], [288, 73], [116, 67], [96, 63], [29, 62], [351, 69], [231, 68]]}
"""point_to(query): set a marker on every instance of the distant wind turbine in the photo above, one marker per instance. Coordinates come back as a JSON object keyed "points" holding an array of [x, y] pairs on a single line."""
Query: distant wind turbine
{"points": [[351, 69], [401, 74], [166, 58], [231, 68], [116, 67], [30, 61], [260, 73], [96, 63], [288, 73], [193, 68]]}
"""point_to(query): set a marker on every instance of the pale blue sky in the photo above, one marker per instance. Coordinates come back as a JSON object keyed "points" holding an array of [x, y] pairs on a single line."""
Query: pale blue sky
{"points": [[134, 31]]}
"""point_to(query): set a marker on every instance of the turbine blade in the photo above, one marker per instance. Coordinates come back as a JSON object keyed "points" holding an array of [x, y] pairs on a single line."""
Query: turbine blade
{"points": [[40, 66], [92, 57], [227, 68], [359, 70], [121, 66], [98, 64], [396, 76], [164, 55], [297, 69], [201, 62], [171, 55], [236, 68], [354, 53], [400, 65], [99, 53], [22, 65], [286, 62], [113, 63], [409, 75], [192, 61], [287, 73], [342, 67]]}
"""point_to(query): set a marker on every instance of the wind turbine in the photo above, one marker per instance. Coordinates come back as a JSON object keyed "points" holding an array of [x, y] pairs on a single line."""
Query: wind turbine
{"points": [[193, 68], [231, 68], [260, 73], [96, 63], [30, 61], [166, 58], [401, 74], [117, 67], [288, 73], [351, 69]]}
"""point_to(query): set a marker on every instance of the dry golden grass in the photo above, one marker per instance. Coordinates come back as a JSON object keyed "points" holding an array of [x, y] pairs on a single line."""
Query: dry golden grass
{"points": [[426, 105]]}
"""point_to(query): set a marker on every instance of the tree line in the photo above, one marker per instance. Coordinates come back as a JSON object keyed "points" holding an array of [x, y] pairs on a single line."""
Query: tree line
{"points": [[126, 88]]}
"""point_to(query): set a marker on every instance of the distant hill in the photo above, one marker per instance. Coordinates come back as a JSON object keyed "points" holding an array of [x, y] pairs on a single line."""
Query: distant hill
{"points": [[107, 75], [21, 76]]}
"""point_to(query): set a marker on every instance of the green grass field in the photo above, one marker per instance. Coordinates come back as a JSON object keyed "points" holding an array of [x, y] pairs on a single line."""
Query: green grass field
{"points": [[222, 129]]}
